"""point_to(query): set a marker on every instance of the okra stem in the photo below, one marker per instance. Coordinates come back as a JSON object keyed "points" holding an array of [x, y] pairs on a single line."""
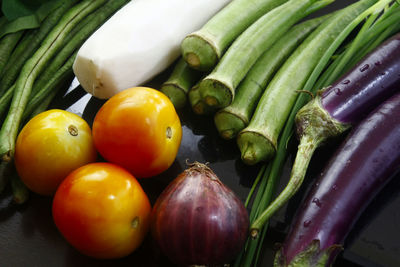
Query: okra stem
{"points": [[218, 88], [177, 86], [233, 118], [204, 48], [258, 140], [319, 130], [197, 104]]}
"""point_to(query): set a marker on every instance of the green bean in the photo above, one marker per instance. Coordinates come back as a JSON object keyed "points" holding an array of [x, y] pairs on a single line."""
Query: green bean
{"points": [[42, 92], [29, 44], [76, 38], [7, 45], [33, 67]]}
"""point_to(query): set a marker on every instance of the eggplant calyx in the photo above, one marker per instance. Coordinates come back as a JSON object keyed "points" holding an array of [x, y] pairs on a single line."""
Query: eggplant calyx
{"points": [[316, 122], [311, 256]]}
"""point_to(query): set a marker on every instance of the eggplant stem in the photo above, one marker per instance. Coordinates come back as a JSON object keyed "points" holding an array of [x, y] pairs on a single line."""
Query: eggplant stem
{"points": [[304, 154]]}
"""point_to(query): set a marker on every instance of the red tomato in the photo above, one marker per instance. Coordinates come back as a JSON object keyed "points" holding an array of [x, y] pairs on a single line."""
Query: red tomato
{"points": [[50, 146], [102, 211], [138, 129]]}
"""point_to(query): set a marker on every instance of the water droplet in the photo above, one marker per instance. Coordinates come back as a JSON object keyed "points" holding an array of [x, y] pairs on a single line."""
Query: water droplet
{"points": [[378, 63], [337, 91], [307, 223], [346, 81], [383, 73], [364, 68], [335, 187], [317, 202]]}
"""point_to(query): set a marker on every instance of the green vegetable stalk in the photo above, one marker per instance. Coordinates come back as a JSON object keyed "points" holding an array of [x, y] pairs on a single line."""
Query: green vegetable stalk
{"points": [[218, 88], [179, 83], [33, 67], [258, 141], [233, 118], [204, 48]]}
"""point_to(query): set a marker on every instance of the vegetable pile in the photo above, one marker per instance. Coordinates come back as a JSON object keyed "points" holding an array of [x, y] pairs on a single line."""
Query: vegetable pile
{"points": [[255, 89], [264, 71], [39, 63]]}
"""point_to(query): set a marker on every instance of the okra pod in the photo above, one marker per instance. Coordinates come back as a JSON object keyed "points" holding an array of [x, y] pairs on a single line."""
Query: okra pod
{"points": [[204, 48], [233, 118], [218, 88], [179, 83], [258, 141]]}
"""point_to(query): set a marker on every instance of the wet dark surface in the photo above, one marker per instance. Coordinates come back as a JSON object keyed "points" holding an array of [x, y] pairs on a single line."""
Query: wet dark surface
{"points": [[28, 236]]}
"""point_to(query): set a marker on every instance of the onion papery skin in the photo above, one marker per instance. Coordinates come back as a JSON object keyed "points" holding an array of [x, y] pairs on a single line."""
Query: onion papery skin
{"points": [[197, 220]]}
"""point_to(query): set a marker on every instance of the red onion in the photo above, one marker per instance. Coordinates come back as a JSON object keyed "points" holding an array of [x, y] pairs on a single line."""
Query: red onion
{"points": [[197, 220]]}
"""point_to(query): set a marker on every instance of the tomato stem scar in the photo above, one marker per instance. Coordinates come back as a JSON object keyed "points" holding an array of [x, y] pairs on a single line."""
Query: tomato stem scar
{"points": [[169, 132], [73, 130], [135, 222]]}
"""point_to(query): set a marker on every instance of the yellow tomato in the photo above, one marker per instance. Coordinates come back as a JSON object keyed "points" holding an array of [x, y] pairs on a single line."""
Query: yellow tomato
{"points": [[50, 146], [139, 130], [102, 211]]}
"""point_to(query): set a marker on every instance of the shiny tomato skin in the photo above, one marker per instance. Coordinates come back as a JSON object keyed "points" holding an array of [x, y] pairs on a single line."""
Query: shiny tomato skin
{"points": [[102, 211], [139, 130], [50, 146]]}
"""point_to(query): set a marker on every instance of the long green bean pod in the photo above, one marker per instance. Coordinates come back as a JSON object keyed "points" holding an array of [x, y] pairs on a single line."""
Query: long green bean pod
{"points": [[29, 44], [177, 86], [218, 88], [5, 100], [233, 118], [33, 67], [76, 38], [258, 141], [43, 91], [7, 45], [204, 48]]}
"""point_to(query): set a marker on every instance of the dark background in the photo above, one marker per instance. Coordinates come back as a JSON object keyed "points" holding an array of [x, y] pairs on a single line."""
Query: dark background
{"points": [[28, 236]]}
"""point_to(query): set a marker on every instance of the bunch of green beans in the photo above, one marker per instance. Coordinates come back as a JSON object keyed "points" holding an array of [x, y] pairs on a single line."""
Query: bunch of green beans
{"points": [[35, 64]]}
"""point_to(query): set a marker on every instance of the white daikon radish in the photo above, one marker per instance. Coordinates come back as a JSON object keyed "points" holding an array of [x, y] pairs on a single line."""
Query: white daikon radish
{"points": [[138, 42]]}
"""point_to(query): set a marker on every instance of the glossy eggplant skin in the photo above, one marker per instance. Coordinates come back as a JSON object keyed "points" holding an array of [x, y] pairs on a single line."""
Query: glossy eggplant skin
{"points": [[361, 166], [376, 76], [197, 220]]}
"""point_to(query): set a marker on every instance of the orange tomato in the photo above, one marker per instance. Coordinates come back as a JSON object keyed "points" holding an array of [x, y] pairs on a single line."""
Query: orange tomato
{"points": [[139, 130], [50, 146], [102, 211]]}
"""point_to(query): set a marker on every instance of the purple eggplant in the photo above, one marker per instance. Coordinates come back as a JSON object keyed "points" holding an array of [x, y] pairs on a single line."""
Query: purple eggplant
{"points": [[360, 168], [375, 78]]}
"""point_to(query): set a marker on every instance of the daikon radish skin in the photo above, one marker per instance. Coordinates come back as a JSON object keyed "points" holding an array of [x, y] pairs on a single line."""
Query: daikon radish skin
{"points": [[138, 42]]}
